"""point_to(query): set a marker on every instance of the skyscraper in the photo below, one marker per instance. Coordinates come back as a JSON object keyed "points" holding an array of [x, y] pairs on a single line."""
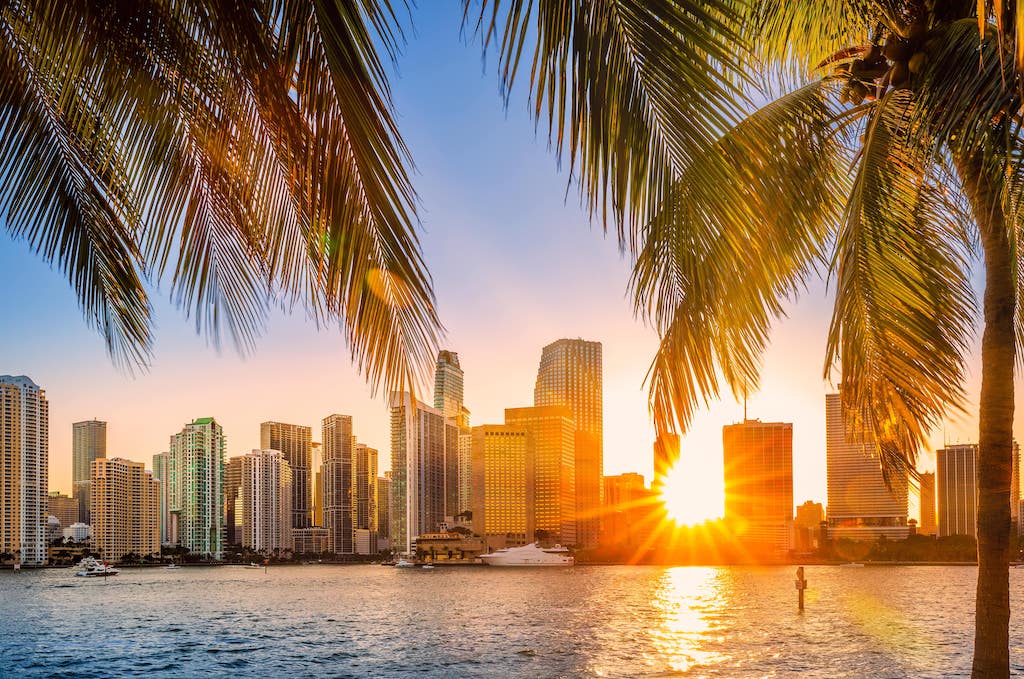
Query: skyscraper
{"points": [[758, 470], [64, 507], [161, 475], [956, 486], [196, 472], [465, 455], [233, 526], [125, 509], [503, 485], [88, 443], [295, 442], [24, 468], [929, 522], [264, 501], [338, 483], [448, 400], [860, 506], [317, 479], [418, 470], [570, 374], [448, 384], [553, 434], [365, 494], [384, 510]]}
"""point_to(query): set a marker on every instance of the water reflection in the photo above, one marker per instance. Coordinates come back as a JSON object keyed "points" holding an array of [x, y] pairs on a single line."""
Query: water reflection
{"points": [[688, 601]]}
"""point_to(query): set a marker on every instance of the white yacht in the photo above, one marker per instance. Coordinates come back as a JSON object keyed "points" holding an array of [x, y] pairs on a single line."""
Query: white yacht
{"points": [[89, 567], [530, 555]]}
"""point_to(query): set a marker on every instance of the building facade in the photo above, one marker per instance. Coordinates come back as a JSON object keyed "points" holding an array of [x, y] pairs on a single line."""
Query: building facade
{"points": [[125, 509], [265, 502], [232, 507], [316, 474], [196, 473], [418, 470], [929, 521], [88, 443], [956, 485], [384, 511], [448, 385], [338, 483], [364, 496], [295, 442], [64, 507], [553, 434], [24, 469], [503, 485], [162, 475], [758, 470], [571, 375]]}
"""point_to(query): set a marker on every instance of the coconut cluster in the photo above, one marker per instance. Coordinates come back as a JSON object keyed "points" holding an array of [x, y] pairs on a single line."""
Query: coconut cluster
{"points": [[879, 66]]}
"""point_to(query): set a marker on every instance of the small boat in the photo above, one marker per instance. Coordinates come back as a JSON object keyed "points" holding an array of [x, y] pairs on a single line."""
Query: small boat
{"points": [[172, 567], [402, 563], [253, 565], [852, 564], [89, 567], [530, 555], [427, 565]]}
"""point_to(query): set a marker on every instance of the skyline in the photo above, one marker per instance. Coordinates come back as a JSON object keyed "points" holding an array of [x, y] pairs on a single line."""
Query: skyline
{"points": [[538, 270]]}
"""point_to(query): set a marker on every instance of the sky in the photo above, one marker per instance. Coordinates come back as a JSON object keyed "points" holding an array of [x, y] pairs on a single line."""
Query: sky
{"points": [[516, 264]]}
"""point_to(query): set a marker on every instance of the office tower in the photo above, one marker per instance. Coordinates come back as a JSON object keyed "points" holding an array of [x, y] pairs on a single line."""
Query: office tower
{"points": [[125, 509], [630, 511], [448, 384], [88, 443], [295, 442], [465, 494], [929, 522], [570, 374], [365, 495], [758, 470], [666, 455], [383, 508], [24, 469], [265, 501], [196, 472], [316, 474], [448, 400], [807, 526], [161, 473], [956, 487], [233, 525], [338, 483], [418, 470], [452, 437], [552, 430], [503, 485], [860, 505], [64, 507]]}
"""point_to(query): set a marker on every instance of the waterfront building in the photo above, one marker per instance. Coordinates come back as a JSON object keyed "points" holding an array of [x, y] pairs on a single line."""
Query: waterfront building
{"points": [[929, 521], [860, 504], [807, 526], [956, 486], [418, 470], [465, 454], [265, 501], [53, 530], [125, 509], [313, 540], [449, 546], [24, 469], [630, 511], [503, 485], [570, 374], [64, 507], [233, 526], [196, 472], [758, 471], [88, 443], [666, 455], [316, 474], [338, 483], [161, 473], [553, 434], [384, 511], [448, 400], [364, 497], [296, 445], [79, 532]]}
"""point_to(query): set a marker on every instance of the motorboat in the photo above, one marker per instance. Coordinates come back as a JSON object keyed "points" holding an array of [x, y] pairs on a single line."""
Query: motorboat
{"points": [[530, 555], [172, 567], [403, 563], [253, 565], [89, 567]]}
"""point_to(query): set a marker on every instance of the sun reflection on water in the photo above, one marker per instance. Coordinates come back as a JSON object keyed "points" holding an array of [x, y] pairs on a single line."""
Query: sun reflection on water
{"points": [[686, 602]]}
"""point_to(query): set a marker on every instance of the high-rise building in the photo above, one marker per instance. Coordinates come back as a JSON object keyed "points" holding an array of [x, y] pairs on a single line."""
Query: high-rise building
{"points": [[448, 385], [1015, 488], [338, 483], [503, 485], [956, 486], [296, 443], [316, 474], [24, 468], [88, 443], [64, 507], [929, 523], [418, 470], [196, 472], [264, 501], [860, 505], [570, 374], [553, 433], [666, 455], [630, 511], [758, 470], [233, 526], [125, 509], [448, 400], [465, 454], [807, 525], [384, 508], [161, 474], [365, 496]]}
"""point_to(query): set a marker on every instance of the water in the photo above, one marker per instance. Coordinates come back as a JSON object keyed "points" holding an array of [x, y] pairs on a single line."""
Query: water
{"points": [[356, 621]]}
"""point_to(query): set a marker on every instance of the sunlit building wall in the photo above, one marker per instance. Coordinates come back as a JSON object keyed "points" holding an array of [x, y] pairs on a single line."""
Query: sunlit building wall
{"points": [[929, 523], [88, 443], [161, 474], [860, 505], [64, 507], [571, 375], [418, 470], [553, 434], [338, 482], [758, 466], [956, 469], [384, 510], [265, 501], [295, 443], [448, 384], [365, 498], [317, 479], [125, 509], [196, 472], [24, 468], [465, 453], [630, 511], [503, 485]]}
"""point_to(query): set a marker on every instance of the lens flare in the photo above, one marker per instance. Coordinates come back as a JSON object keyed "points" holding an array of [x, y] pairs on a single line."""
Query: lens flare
{"points": [[690, 496]]}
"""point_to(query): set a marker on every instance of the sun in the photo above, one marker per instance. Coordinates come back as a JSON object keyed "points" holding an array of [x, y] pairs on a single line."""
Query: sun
{"points": [[691, 495]]}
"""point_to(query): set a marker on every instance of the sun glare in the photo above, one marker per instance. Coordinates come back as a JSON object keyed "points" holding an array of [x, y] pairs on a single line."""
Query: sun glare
{"points": [[690, 496]]}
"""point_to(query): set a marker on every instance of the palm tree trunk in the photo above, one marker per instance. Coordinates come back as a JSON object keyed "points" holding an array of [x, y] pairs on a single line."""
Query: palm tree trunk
{"points": [[995, 442]]}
